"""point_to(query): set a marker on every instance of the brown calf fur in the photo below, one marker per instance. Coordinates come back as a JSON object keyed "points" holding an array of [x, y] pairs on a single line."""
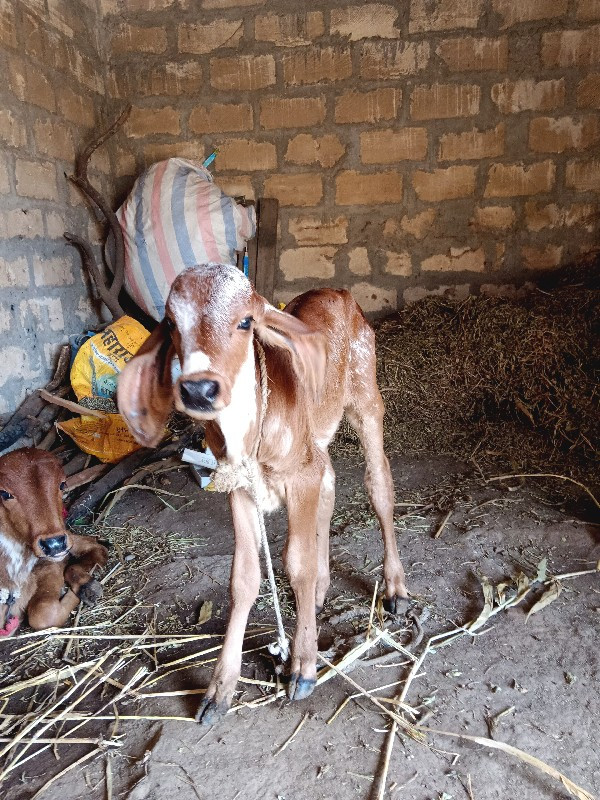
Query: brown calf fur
{"points": [[320, 360], [38, 555]]}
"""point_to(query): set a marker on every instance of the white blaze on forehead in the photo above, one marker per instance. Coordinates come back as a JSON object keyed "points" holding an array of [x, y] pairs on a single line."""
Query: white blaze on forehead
{"points": [[185, 313], [198, 361], [222, 289]]}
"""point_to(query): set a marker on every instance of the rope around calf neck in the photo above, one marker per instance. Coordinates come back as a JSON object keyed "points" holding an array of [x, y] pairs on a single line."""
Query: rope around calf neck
{"points": [[227, 478]]}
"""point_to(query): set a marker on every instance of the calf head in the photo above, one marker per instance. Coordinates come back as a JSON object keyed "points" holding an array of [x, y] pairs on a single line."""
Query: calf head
{"points": [[211, 316], [31, 506]]}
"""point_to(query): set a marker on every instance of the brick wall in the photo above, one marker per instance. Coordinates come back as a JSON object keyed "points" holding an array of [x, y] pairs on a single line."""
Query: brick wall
{"points": [[413, 145], [52, 94]]}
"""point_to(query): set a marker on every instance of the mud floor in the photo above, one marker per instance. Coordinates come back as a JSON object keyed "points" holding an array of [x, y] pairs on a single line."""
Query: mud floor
{"points": [[532, 683]]}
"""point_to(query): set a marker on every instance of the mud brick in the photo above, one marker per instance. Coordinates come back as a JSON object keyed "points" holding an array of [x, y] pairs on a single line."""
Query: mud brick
{"points": [[306, 149], [380, 104], [221, 117], [550, 135], [246, 155], [445, 100], [317, 65], [242, 73], [302, 189], [580, 48], [289, 30], [365, 21], [444, 184], [514, 180], [443, 15], [514, 12], [292, 112], [308, 262], [472, 145], [199, 39], [357, 188], [391, 60]]}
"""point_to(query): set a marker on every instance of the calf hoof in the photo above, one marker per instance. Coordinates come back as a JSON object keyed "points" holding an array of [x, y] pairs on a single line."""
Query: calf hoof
{"points": [[90, 592], [210, 712], [396, 605], [299, 687], [318, 610]]}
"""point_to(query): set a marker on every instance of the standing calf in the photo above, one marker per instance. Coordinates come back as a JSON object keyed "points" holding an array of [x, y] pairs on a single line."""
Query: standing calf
{"points": [[36, 550], [320, 363]]}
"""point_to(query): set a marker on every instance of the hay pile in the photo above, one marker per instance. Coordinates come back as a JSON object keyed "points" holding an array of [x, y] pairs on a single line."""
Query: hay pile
{"points": [[521, 376]]}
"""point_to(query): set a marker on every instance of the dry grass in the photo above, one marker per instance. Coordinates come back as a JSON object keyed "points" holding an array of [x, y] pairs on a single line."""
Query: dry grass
{"points": [[518, 377]]}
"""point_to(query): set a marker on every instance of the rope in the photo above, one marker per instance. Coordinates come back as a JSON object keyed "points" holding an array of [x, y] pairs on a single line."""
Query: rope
{"points": [[228, 477]]}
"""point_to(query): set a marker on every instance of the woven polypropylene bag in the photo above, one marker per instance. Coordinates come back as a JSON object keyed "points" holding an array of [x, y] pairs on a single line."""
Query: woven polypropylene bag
{"points": [[176, 217]]}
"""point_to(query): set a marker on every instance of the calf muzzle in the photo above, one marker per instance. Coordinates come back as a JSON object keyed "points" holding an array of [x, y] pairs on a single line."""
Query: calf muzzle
{"points": [[54, 546], [199, 395]]}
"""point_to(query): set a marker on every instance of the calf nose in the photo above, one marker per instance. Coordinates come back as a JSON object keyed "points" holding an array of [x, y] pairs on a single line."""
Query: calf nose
{"points": [[53, 546], [199, 395]]}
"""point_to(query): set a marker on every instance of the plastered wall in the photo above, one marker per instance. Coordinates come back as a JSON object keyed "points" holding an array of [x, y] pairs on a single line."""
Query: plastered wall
{"points": [[51, 96]]}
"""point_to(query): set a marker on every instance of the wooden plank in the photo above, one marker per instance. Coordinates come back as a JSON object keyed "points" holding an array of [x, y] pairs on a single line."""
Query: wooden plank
{"points": [[266, 259], [252, 248]]}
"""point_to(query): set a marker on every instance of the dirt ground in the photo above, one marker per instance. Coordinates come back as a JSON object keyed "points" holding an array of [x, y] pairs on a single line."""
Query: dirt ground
{"points": [[531, 683]]}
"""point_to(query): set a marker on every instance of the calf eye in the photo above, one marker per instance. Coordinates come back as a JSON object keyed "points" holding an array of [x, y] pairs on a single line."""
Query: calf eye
{"points": [[63, 486], [169, 323], [246, 324], [6, 495]]}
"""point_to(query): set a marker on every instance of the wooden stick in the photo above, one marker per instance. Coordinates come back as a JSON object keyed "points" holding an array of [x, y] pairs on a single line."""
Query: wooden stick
{"points": [[65, 740], [442, 525], [79, 717], [567, 784], [405, 724], [110, 296], [23, 422], [373, 601], [547, 475], [84, 506], [86, 476], [291, 738], [74, 640], [62, 367], [75, 407]]}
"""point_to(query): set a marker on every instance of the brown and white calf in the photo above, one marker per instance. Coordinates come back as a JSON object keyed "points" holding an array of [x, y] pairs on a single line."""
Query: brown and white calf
{"points": [[320, 359], [38, 555]]}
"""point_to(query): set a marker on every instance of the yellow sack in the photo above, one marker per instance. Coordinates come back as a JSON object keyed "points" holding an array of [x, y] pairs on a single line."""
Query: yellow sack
{"points": [[94, 381]]}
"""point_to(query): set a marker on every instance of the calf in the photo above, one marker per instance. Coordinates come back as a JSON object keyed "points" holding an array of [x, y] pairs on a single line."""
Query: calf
{"points": [[36, 550], [320, 364]]}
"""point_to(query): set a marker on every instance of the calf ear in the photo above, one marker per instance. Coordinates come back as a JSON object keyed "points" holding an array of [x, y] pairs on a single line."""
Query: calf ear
{"points": [[145, 389], [307, 346]]}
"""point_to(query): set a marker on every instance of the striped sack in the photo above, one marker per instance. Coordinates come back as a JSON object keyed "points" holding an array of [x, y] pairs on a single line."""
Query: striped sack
{"points": [[176, 217]]}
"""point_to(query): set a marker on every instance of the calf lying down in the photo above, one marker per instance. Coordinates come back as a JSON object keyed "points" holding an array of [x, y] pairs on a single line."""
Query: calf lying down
{"points": [[320, 365], [38, 555]]}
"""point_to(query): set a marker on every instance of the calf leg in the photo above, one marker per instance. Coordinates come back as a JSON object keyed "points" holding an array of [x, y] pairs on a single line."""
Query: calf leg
{"points": [[77, 575], [325, 510], [244, 587], [301, 566], [367, 420], [12, 616], [88, 553], [46, 608]]}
